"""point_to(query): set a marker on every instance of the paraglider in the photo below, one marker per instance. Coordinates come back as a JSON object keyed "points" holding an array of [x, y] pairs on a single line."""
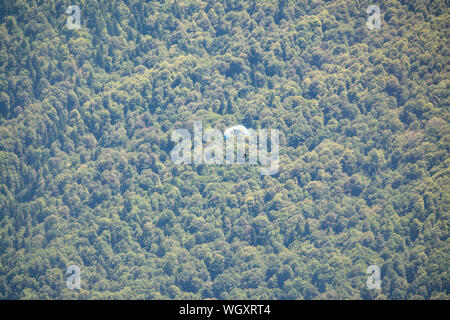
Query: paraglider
{"points": [[235, 130], [241, 145]]}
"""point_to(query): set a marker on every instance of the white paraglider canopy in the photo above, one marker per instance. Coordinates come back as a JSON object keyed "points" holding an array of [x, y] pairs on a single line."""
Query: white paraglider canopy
{"points": [[235, 130]]}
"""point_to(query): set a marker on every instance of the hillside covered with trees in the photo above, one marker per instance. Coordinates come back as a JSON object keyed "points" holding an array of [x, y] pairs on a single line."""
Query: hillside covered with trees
{"points": [[86, 177]]}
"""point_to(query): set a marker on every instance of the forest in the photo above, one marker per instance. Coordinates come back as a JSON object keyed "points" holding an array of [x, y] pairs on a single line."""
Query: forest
{"points": [[86, 177]]}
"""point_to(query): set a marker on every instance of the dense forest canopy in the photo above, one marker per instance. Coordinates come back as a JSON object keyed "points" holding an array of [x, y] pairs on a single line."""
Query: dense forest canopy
{"points": [[86, 177]]}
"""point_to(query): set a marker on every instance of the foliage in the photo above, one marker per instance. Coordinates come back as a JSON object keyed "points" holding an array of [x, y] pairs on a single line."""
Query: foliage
{"points": [[86, 176]]}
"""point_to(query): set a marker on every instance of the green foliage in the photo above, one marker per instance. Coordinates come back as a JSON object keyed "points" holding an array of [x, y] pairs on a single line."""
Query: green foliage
{"points": [[85, 170]]}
